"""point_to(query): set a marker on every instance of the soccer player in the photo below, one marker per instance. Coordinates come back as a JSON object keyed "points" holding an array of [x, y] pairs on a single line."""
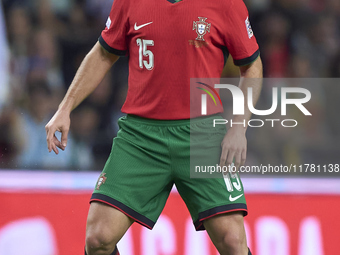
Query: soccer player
{"points": [[168, 42]]}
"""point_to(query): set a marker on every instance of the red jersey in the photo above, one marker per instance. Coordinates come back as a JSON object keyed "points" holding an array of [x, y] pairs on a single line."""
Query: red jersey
{"points": [[169, 43]]}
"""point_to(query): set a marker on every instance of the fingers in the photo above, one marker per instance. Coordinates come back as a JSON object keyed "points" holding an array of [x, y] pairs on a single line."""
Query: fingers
{"points": [[49, 137], [57, 143], [54, 148], [230, 157], [233, 160], [52, 141], [234, 150], [227, 155], [233, 155], [237, 160], [64, 135], [243, 156], [54, 144], [223, 157]]}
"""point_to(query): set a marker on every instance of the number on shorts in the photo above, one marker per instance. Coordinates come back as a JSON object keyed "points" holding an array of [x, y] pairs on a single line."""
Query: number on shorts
{"points": [[232, 184]]}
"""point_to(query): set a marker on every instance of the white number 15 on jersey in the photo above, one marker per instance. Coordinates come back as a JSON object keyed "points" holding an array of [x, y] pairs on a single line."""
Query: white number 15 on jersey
{"points": [[143, 51]]}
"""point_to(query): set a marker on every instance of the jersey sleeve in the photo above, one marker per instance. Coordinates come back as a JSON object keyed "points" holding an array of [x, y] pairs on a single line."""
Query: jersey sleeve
{"points": [[240, 39], [113, 37]]}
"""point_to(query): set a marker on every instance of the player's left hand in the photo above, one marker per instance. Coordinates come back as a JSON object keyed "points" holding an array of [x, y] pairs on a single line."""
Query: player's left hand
{"points": [[234, 145]]}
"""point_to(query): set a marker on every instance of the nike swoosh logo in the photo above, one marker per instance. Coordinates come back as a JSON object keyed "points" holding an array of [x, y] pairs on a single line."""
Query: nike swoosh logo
{"points": [[139, 27], [232, 199]]}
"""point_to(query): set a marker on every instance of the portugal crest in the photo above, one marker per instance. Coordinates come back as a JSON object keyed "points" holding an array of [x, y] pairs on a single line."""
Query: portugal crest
{"points": [[201, 27], [101, 180]]}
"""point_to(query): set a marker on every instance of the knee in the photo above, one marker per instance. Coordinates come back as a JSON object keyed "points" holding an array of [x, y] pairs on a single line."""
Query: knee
{"points": [[98, 243], [105, 226], [233, 243]]}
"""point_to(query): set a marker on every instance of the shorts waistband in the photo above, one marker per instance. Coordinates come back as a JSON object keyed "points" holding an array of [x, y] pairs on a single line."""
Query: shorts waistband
{"points": [[181, 122]]}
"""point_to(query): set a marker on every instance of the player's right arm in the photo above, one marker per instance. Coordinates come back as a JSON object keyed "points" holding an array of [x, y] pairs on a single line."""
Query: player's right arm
{"points": [[90, 73]]}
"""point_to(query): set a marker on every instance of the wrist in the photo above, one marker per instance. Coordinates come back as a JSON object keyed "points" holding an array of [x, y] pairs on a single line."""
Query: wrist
{"points": [[64, 109], [238, 129], [66, 106]]}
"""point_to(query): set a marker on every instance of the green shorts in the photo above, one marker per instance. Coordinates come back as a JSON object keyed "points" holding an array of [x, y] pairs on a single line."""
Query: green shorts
{"points": [[149, 156]]}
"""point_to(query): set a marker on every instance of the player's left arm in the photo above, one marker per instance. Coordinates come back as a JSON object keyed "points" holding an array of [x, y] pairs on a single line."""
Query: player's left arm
{"points": [[234, 144]]}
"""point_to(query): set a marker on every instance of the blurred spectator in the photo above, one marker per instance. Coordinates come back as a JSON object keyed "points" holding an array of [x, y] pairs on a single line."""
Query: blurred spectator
{"points": [[44, 14], [333, 95], [334, 68], [276, 32], [4, 67], [101, 103], [32, 120], [31, 124], [48, 39], [44, 61], [98, 8], [61, 7], [318, 44], [8, 137], [19, 36], [85, 122], [299, 67]]}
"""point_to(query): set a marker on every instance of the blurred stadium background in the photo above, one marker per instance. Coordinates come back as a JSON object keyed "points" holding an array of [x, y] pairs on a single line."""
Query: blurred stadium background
{"points": [[44, 198]]}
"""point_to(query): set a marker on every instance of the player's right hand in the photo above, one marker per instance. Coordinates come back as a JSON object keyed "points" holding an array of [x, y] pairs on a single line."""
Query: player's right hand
{"points": [[59, 122]]}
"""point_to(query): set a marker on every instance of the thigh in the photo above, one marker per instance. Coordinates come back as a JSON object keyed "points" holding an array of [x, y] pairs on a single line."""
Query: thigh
{"points": [[206, 194], [136, 178], [209, 197]]}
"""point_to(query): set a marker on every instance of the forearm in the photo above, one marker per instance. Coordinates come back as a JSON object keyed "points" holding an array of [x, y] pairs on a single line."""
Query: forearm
{"points": [[90, 73], [251, 77]]}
